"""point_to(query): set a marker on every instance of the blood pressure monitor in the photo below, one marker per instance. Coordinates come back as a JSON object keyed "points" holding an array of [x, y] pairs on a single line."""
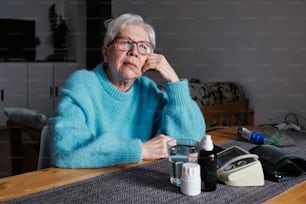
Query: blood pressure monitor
{"points": [[237, 167]]}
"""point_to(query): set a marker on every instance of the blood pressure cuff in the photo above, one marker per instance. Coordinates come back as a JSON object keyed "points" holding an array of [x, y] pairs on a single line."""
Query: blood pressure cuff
{"points": [[278, 164]]}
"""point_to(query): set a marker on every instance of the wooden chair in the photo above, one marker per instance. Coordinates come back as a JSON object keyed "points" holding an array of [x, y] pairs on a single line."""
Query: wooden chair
{"points": [[228, 114], [44, 149], [16, 132]]}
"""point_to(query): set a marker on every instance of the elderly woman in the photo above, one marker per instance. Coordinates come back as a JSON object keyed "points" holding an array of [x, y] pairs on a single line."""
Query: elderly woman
{"points": [[115, 115]]}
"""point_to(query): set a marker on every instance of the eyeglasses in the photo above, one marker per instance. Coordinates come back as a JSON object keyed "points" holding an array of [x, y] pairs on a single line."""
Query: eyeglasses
{"points": [[126, 44]]}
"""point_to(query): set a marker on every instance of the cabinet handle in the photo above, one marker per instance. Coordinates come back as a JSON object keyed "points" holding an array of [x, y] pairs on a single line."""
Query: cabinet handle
{"points": [[56, 91], [2, 95], [51, 91]]}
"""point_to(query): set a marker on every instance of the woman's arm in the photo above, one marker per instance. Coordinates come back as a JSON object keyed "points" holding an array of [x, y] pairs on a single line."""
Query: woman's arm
{"points": [[75, 145], [82, 134], [181, 117]]}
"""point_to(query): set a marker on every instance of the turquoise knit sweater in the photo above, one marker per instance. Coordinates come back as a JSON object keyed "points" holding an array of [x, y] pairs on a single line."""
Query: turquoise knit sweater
{"points": [[96, 125]]}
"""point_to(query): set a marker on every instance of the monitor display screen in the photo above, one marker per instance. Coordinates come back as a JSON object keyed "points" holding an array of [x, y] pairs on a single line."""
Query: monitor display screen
{"points": [[17, 40]]}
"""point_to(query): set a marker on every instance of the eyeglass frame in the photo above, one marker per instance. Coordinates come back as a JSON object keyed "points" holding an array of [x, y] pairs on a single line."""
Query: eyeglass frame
{"points": [[132, 43]]}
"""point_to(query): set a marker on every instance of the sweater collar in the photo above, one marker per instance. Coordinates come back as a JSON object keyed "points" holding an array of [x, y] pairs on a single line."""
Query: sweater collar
{"points": [[109, 87]]}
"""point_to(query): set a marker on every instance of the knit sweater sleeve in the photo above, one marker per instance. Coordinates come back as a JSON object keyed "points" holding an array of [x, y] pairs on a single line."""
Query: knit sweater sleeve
{"points": [[181, 116], [78, 141]]}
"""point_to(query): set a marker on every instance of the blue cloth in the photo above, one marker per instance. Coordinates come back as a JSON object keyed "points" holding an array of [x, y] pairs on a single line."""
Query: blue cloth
{"points": [[96, 125]]}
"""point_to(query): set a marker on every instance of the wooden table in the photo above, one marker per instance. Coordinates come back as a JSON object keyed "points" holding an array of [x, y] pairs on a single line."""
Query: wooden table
{"points": [[36, 181]]}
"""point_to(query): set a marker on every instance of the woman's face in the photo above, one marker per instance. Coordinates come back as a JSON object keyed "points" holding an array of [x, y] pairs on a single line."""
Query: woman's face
{"points": [[126, 65]]}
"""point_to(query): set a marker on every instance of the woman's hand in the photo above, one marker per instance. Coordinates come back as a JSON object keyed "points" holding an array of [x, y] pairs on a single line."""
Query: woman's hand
{"points": [[156, 148], [160, 64]]}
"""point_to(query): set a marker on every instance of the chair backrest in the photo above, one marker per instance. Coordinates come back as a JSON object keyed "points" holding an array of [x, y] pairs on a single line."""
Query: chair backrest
{"points": [[44, 149], [228, 114]]}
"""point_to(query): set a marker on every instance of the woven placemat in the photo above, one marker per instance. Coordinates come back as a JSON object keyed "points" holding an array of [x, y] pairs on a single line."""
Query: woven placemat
{"points": [[149, 183]]}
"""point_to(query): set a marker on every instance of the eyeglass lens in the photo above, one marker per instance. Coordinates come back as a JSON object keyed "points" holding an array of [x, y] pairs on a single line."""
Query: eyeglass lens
{"points": [[126, 44]]}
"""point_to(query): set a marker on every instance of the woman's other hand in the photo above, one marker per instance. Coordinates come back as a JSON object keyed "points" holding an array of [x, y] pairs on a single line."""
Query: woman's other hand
{"points": [[156, 148]]}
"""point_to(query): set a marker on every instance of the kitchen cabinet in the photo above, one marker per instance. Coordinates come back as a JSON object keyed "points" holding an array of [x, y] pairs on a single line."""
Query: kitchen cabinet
{"points": [[45, 81], [13, 87], [33, 85]]}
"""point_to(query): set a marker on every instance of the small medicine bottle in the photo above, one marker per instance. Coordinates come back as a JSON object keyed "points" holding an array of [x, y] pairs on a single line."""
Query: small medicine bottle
{"points": [[191, 179], [207, 160]]}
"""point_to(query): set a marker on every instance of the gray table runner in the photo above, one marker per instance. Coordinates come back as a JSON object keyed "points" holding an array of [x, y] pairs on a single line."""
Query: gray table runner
{"points": [[149, 183]]}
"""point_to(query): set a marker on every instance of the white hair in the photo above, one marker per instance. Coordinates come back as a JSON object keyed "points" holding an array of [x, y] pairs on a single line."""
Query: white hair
{"points": [[115, 26]]}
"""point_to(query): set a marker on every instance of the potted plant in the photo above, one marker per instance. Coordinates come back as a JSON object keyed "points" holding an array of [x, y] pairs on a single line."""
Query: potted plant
{"points": [[59, 29]]}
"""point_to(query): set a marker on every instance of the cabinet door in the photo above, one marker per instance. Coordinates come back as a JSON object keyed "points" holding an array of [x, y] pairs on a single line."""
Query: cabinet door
{"points": [[61, 73], [40, 87], [13, 87]]}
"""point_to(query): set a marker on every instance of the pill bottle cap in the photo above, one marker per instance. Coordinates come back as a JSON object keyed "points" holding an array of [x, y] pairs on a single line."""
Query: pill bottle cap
{"points": [[190, 170]]}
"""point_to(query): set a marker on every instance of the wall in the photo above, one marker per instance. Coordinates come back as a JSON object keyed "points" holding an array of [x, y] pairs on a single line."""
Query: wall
{"points": [[260, 44], [74, 13]]}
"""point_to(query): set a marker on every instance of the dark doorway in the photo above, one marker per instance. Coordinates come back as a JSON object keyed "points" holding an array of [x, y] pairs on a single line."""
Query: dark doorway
{"points": [[97, 12]]}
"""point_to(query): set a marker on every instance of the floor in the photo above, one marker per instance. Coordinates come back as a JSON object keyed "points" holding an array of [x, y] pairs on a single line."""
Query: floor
{"points": [[29, 154]]}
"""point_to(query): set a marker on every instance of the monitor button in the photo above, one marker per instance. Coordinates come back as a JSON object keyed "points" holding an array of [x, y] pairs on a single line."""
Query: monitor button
{"points": [[242, 162]]}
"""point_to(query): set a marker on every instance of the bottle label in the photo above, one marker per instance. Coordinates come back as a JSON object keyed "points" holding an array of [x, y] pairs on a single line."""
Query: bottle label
{"points": [[257, 138], [208, 163]]}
